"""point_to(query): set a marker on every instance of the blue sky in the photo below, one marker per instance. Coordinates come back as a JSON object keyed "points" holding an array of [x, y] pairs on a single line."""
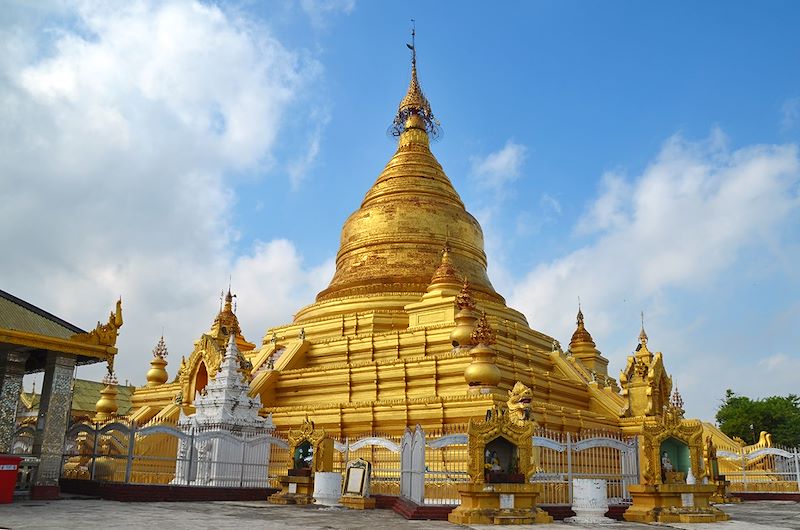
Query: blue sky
{"points": [[640, 155]]}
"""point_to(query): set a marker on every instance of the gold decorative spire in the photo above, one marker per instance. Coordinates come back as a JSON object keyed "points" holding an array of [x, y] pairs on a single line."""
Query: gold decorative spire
{"points": [[226, 324], [676, 400], [157, 374], [461, 336], [106, 407], [464, 298], [642, 334], [414, 103], [160, 350], [445, 273], [483, 334], [482, 374], [581, 335], [228, 301]]}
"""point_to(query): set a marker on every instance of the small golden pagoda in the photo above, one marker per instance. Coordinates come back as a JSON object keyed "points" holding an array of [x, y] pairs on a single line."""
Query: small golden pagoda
{"points": [[671, 485]]}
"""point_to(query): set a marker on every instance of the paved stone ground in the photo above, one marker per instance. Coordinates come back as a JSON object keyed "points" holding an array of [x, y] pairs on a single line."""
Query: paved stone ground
{"points": [[108, 515]]}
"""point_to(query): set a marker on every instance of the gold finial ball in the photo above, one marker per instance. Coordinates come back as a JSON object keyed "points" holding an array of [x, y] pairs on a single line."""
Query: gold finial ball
{"points": [[157, 375], [107, 404], [481, 372]]}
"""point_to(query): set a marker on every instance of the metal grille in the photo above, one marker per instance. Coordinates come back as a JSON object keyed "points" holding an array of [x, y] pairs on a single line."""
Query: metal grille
{"points": [[561, 456], [769, 469], [279, 461], [383, 452], [558, 458], [164, 454]]}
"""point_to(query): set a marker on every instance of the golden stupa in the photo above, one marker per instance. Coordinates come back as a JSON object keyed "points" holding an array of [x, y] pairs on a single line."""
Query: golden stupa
{"points": [[410, 329]]}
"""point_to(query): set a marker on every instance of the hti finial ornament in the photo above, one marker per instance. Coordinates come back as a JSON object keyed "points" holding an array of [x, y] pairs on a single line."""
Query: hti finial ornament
{"points": [[160, 350], [464, 298], [483, 333], [642, 334], [415, 111]]}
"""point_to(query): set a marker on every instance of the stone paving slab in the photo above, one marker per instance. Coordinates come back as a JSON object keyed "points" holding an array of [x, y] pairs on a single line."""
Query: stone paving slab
{"points": [[111, 515]]}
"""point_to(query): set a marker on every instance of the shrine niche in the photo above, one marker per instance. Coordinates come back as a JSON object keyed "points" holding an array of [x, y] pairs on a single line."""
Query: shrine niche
{"points": [[312, 452], [672, 470], [675, 461], [500, 463]]}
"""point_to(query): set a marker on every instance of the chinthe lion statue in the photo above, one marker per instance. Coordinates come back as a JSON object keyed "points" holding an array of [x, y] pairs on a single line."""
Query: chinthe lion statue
{"points": [[519, 404]]}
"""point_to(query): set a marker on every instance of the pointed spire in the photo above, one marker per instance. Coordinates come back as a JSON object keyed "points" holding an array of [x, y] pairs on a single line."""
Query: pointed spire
{"points": [[160, 350], [110, 378], [226, 323], [642, 334], [484, 334], [228, 300], [445, 273], [581, 334], [676, 400], [464, 298], [414, 111], [232, 350]]}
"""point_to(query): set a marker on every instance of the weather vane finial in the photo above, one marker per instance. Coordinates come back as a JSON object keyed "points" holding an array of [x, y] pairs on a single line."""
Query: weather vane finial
{"points": [[413, 46]]}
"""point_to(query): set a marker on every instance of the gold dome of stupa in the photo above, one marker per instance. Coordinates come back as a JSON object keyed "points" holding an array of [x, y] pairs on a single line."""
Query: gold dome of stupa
{"points": [[393, 242]]}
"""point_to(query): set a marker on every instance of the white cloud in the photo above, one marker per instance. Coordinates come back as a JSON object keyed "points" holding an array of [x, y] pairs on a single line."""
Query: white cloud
{"points": [[608, 211], [500, 168], [299, 167], [681, 229], [320, 11], [778, 362], [683, 221], [548, 202], [120, 128], [290, 284]]}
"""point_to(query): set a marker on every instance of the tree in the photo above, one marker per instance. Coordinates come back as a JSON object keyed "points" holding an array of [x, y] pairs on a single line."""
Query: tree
{"points": [[746, 418]]}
